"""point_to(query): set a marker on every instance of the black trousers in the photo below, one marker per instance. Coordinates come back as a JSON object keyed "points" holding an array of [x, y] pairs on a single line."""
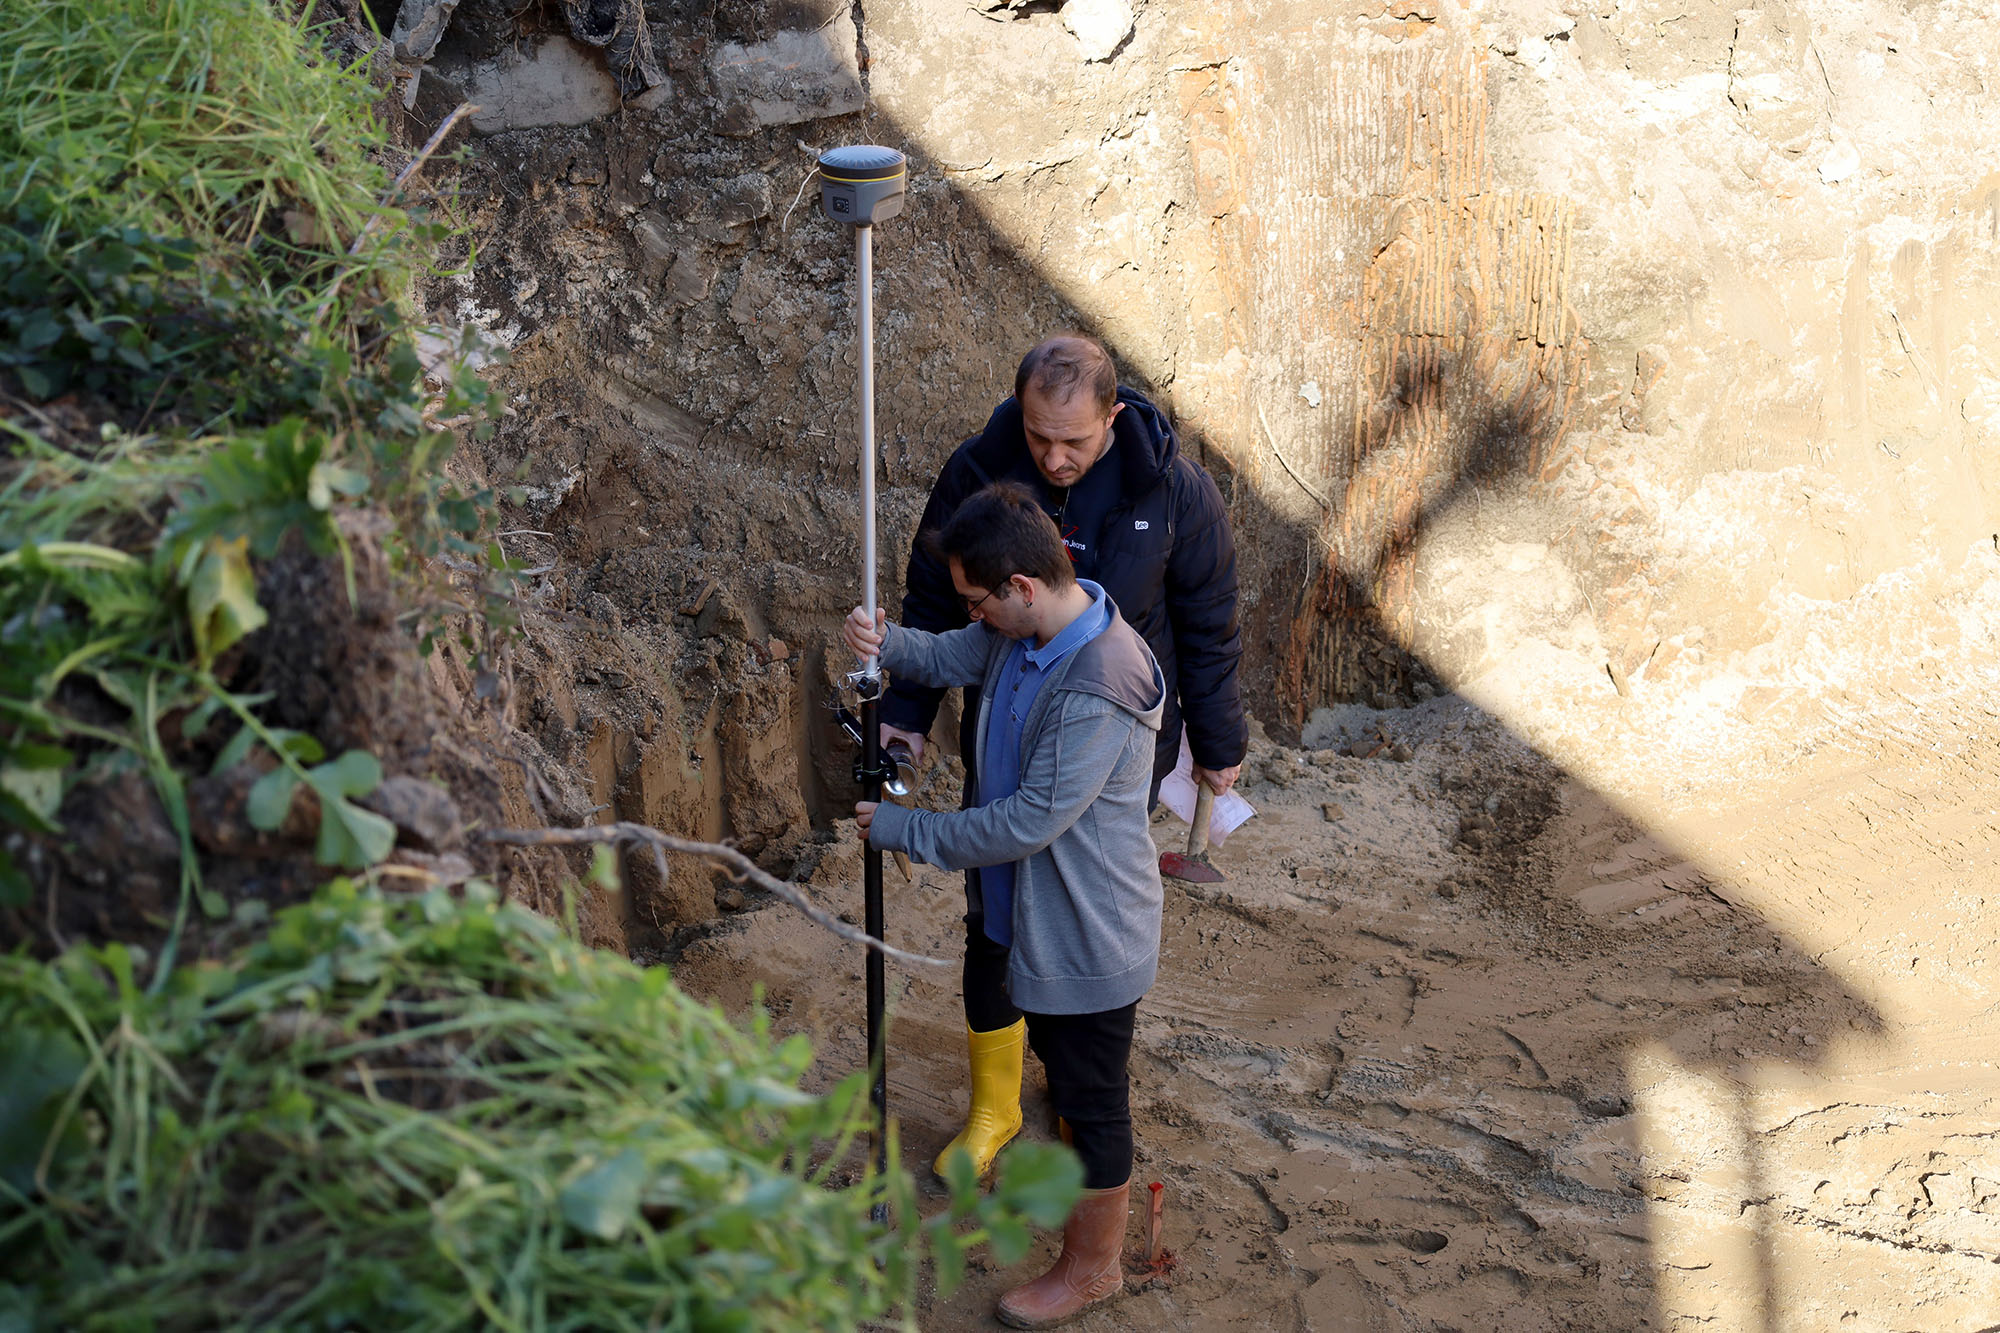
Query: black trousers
{"points": [[984, 981], [1086, 1057]]}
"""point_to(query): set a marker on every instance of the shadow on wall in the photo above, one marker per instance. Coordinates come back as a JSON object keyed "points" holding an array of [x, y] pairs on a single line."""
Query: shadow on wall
{"points": [[1499, 1109], [1516, 1127], [1382, 320], [1438, 437]]}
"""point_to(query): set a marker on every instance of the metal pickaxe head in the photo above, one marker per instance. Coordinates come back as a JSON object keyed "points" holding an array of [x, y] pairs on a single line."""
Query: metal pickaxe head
{"points": [[1192, 867]]}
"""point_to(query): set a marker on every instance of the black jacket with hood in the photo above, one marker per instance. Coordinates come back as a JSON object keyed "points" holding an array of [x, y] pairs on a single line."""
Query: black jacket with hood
{"points": [[1162, 548]]}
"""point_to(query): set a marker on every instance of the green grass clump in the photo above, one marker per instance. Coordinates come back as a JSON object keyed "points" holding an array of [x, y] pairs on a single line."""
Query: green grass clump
{"points": [[150, 335], [419, 1113], [195, 213], [212, 119]]}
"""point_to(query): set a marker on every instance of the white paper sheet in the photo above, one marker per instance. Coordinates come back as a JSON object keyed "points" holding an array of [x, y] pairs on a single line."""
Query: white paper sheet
{"points": [[1177, 794]]}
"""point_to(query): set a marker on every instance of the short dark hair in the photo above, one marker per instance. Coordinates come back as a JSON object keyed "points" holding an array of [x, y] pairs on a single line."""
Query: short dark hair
{"points": [[1000, 531], [1061, 365]]}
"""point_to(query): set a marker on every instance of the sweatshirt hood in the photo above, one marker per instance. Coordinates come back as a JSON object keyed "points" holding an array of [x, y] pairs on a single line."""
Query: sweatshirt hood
{"points": [[1143, 446], [1118, 666]]}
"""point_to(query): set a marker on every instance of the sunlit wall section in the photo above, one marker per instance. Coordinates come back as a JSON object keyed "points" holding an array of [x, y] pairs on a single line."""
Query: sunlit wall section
{"points": [[1388, 326]]}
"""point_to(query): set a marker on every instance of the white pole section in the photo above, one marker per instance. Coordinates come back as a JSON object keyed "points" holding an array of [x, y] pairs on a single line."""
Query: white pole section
{"points": [[864, 263]]}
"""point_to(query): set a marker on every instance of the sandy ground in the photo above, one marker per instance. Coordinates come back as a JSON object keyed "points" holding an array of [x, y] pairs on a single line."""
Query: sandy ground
{"points": [[1466, 1042]]}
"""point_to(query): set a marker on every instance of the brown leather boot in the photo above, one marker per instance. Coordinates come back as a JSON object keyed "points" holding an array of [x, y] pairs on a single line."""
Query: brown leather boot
{"points": [[1087, 1271]]}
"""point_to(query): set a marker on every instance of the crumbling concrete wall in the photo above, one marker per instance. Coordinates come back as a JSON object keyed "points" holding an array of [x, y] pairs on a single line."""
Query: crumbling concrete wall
{"points": [[1543, 350]]}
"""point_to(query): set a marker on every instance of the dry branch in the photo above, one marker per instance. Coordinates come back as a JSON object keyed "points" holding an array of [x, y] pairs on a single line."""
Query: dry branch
{"points": [[738, 866], [416, 163]]}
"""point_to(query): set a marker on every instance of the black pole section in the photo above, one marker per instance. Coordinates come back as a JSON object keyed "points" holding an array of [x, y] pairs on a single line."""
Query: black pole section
{"points": [[871, 906]]}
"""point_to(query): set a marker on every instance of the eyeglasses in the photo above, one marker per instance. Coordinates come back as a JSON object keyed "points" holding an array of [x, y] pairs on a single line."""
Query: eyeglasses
{"points": [[972, 604]]}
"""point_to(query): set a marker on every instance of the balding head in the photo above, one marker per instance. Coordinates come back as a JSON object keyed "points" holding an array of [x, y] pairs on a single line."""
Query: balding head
{"points": [[1058, 369], [1068, 393]]}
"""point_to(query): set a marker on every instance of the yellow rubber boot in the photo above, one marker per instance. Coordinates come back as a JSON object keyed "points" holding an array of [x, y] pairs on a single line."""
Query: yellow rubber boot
{"points": [[995, 1115]]}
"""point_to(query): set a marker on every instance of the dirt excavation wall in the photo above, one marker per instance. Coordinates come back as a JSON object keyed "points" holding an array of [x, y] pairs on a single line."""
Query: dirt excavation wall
{"points": [[1607, 398], [1547, 352]]}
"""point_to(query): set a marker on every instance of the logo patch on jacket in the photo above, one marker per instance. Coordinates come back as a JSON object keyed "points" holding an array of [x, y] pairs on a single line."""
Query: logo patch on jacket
{"points": [[1140, 525]]}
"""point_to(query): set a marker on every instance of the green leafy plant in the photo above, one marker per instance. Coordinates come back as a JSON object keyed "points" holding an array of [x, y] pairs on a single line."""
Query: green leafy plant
{"points": [[89, 631], [426, 1113], [348, 836], [198, 252], [143, 327]]}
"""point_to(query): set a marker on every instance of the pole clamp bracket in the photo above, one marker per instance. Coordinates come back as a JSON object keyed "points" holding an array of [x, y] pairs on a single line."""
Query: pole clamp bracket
{"points": [[883, 774], [866, 685], [885, 771]]}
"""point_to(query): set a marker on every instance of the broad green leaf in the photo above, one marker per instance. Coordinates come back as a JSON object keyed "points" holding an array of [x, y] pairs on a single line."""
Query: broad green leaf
{"points": [[604, 1200], [604, 867], [1008, 1237], [222, 598], [1042, 1180], [29, 754], [326, 479], [350, 836], [948, 1257], [127, 687], [37, 1067], [21, 815], [197, 720], [39, 331], [299, 745], [271, 798], [18, 1309], [728, 1229], [767, 1092], [769, 1198], [236, 751], [41, 382], [35, 784], [355, 773], [961, 1173]]}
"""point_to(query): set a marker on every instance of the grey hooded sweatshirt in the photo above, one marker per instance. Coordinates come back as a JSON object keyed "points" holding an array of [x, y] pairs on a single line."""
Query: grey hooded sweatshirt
{"points": [[1087, 891]]}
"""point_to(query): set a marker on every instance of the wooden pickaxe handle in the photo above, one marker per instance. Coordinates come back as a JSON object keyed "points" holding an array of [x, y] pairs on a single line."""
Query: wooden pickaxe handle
{"points": [[1204, 809]]}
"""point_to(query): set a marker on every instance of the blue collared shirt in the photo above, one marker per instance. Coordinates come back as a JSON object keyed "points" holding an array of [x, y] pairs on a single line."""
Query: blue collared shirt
{"points": [[1021, 679]]}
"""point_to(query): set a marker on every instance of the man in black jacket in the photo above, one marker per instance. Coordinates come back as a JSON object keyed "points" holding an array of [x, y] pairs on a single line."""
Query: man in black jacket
{"points": [[1147, 523]]}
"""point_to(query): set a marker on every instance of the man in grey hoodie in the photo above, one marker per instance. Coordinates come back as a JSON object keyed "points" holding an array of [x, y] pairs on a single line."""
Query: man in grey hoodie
{"points": [[1070, 700]]}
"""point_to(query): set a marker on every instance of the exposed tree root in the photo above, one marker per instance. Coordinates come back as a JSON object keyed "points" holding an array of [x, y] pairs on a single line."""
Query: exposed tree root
{"points": [[738, 866]]}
